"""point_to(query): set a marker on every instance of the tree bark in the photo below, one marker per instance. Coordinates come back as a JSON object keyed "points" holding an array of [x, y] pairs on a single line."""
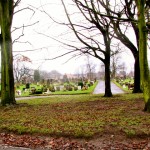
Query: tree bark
{"points": [[125, 40], [7, 78], [144, 70], [137, 87], [108, 92]]}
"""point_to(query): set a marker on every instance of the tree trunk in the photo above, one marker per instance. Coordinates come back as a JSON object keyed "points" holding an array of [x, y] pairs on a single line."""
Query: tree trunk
{"points": [[7, 78], [144, 70], [137, 88], [124, 39], [108, 92]]}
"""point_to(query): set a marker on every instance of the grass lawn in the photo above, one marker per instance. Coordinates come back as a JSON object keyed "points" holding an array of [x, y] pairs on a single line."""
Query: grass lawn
{"points": [[81, 116]]}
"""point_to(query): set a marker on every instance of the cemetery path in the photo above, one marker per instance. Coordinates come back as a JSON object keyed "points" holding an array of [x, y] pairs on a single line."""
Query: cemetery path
{"points": [[31, 97], [100, 88]]}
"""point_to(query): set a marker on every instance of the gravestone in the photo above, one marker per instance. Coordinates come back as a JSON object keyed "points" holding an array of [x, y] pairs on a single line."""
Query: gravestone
{"points": [[79, 87], [61, 87]]}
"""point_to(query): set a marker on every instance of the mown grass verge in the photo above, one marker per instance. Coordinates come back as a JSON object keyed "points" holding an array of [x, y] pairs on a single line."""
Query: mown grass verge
{"points": [[78, 116]]}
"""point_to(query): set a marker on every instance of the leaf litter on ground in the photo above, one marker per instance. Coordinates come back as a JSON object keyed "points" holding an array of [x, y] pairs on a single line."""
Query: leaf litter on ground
{"points": [[80, 122]]}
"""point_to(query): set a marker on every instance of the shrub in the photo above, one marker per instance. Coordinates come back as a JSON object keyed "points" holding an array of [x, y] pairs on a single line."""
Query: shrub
{"points": [[27, 85], [67, 87], [70, 88], [51, 88], [80, 84], [44, 89], [89, 84], [75, 88], [39, 91], [18, 86], [23, 89]]}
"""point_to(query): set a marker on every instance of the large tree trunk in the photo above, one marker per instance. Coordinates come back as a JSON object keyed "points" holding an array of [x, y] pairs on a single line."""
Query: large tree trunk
{"points": [[137, 87], [144, 70], [108, 92], [7, 78]]}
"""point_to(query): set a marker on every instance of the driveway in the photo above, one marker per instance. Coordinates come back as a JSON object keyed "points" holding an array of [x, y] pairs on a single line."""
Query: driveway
{"points": [[100, 88]]}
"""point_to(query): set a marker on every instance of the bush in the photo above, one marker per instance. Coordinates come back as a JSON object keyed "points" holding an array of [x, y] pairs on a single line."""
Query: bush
{"points": [[75, 88], [89, 84], [80, 84], [44, 89], [39, 91], [51, 88], [70, 88], [27, 85], [18, 86], [23, 89]]}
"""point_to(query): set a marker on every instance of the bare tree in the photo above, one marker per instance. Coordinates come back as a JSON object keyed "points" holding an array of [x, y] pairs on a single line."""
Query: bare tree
{"points": [[98, 43], [122, 15], [115, 62], [90, 69], [20, 69]]}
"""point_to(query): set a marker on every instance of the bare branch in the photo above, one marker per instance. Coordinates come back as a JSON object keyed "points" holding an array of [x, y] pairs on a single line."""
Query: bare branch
{"points": [[26, 8], [24, 26], [16, 3]]}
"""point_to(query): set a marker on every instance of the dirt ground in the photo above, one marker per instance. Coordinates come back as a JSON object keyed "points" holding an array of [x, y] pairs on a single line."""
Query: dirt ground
{"points": [[105, 142]]}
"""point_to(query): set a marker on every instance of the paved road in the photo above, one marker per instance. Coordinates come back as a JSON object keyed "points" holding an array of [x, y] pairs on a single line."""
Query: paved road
{"points": [[100, 88], [5, 147], [31, 97]]}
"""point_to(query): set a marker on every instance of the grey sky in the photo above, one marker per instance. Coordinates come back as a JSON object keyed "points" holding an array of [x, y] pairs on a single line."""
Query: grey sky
{"points": [[43, 46]]}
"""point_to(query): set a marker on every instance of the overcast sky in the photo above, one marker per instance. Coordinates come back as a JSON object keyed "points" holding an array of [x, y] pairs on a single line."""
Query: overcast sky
{"points": [[43, 47], [39, 47]]}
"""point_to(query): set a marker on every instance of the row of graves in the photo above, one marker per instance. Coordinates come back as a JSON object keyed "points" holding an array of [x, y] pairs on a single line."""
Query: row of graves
{"points": [[55, 86], [47, 89], [129, 85]]}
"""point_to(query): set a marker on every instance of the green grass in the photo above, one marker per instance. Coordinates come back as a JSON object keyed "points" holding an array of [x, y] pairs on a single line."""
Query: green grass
{"points": [[77, 116]]}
